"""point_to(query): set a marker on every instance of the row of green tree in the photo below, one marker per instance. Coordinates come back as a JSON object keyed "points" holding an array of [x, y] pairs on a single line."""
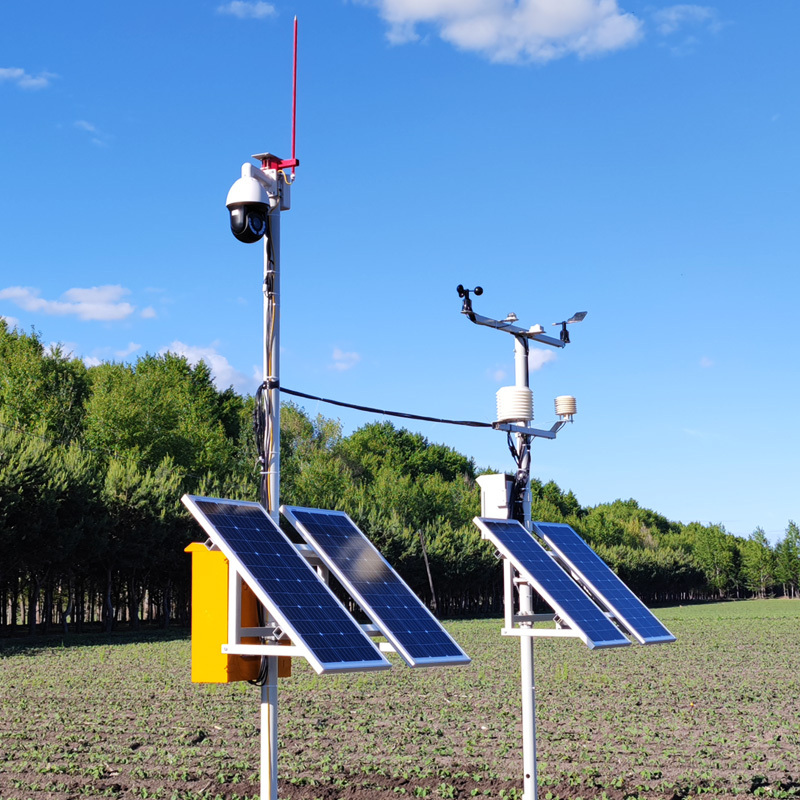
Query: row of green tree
{"points": [[93, 462]]}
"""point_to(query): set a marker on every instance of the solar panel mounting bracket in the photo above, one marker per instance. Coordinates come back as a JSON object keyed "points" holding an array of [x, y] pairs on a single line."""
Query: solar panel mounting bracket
{"points": [[262, 650], [541, 633], [523, 618]]}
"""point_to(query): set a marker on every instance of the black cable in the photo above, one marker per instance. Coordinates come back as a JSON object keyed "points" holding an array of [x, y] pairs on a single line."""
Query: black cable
{"points": [[521, 458], [468, 423], [259, 425]]}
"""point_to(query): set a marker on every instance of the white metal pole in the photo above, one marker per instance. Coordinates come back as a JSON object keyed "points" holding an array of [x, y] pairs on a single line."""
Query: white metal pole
{"points": [[270, 481], [521, 380], [530, 787], [270, 493], [269, 732]]}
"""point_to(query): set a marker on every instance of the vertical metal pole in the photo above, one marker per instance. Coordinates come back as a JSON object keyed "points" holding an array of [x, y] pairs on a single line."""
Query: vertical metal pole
{"points": [[521, 380], [530, 786], [269, 732], [270, 482]]}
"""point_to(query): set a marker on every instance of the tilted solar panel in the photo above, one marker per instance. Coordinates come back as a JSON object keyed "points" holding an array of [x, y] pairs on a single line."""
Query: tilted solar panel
{"points": [[303, 606], [563, 595], [376, 587], [602, 584]]}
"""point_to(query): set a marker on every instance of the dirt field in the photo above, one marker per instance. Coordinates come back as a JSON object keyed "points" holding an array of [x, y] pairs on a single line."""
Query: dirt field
{"points": [[717, 713]]}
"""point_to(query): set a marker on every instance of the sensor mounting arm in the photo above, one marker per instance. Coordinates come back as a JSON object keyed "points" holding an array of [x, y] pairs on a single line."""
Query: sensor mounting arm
{"points": [[535, 333]]}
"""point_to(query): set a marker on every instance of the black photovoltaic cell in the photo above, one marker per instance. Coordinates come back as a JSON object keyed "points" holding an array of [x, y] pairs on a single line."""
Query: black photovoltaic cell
{"points": [[284, 582], [376, 587], [607, 589], [563, 595]]}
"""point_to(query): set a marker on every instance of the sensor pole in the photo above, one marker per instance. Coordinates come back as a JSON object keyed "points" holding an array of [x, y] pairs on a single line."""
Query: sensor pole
{"points": [[529, 784], [524, 435]]}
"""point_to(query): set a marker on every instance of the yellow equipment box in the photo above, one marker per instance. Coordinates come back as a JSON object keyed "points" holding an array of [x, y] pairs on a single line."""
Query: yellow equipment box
{"points": [[210, 622]]}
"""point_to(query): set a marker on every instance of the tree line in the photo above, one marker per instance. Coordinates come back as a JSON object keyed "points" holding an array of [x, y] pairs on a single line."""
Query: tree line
{"points": [[94, 460]]}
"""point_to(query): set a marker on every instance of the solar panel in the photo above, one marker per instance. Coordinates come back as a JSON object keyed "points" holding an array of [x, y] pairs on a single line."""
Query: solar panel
{"points": [[376, 587], [563, 595], [303, 606], [602, 584]]}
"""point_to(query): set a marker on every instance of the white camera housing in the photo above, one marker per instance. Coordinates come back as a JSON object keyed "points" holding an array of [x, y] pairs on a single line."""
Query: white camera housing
{"points": [[250, 200]]}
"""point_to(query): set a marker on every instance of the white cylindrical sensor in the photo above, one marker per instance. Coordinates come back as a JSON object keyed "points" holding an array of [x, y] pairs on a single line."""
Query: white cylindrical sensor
{"points": [[565, 406], [514, 404]]}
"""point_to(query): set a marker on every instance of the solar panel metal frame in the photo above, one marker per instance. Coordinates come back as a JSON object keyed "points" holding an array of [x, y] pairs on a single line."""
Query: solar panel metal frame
{"points": [[582, 571], [483, 524], [372, 612], [218, 538]]}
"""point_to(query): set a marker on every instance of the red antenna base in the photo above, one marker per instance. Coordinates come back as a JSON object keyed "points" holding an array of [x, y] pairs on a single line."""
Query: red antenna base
{"points": [[269, 161]]}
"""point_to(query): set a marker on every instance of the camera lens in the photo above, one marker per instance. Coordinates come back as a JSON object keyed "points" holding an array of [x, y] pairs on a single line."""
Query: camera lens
{"points": [[257, 224], [248, 223]]}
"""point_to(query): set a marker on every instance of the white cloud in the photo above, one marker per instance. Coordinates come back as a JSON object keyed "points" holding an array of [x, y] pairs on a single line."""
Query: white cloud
{"points": [[24, 80], [538, 357], [12, 322], [671, 19], [343, 361], [223, 372], [83, 125], [247, 10], [498, 374], [92, 361], [97, 303], [130, 349], [97, 136], [515, 31], [148, 313]]}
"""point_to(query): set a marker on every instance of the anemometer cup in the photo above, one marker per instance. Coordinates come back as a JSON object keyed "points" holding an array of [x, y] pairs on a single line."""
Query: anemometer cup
{"points": [[466, 308]]}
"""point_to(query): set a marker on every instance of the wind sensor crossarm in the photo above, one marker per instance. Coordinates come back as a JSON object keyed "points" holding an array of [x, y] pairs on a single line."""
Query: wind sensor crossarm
{"points": [[535, 332], [523, 336]]}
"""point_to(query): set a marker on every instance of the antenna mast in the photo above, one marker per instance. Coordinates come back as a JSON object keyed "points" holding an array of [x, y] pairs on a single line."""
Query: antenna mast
{"points": [[294, 99]]}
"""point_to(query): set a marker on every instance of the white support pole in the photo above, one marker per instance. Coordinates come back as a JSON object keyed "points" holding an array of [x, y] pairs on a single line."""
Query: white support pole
{"points": [[530, 788], [270, 480], [521, 380], [269, 732], [529, 785], [270, 490]]}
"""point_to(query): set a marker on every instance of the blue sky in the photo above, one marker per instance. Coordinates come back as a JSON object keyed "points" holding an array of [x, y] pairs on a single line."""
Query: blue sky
{"points": [[638, 160]]}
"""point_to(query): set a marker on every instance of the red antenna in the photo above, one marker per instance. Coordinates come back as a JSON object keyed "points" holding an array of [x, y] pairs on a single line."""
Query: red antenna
{"points": [[268, 161], [294, 99]]}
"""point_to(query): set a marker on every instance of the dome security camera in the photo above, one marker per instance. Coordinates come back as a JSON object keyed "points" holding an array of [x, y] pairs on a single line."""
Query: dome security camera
{"points": [[249, 204]]}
